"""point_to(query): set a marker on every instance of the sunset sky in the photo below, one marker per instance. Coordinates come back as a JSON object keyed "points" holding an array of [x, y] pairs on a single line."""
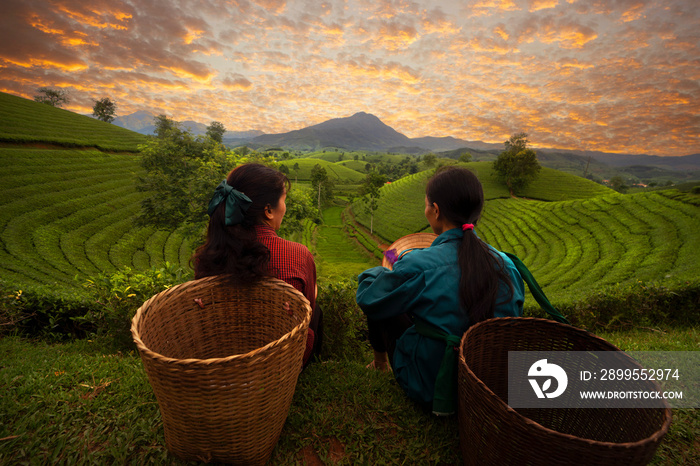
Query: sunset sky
{"points": [[608, 75]]}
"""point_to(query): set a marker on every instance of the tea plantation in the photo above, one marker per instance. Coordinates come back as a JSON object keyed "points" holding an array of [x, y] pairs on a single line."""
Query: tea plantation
{"points": [[577, 237]]}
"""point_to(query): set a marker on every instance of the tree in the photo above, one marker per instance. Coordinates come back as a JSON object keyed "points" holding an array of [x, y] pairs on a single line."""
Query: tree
{"points": [[104, 110], [181, 173], [321, 184], [465, 158], [370, 189], [164, 126], [216, 131], [517, 166], [296, 171], [300, 206], [430, 159], [53, 97], [618, 184]]}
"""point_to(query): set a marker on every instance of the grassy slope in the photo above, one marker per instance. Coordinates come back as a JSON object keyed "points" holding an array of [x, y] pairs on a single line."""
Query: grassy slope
{"points": [[337, 256], [26, 121]]}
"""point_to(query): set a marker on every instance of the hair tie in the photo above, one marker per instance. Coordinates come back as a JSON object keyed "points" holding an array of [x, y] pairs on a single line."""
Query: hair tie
{"points": [[237, 203], [467, 226]]}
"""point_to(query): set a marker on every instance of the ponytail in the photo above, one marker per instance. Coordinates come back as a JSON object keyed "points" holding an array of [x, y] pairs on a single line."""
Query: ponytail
{"points": [[460, 196], [482, 272]]}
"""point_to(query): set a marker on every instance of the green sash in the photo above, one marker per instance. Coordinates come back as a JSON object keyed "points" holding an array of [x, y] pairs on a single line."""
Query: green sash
{"points": [[445, 397]]}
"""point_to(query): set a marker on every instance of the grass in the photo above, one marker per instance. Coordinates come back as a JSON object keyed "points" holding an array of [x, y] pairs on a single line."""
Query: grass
{"points": [[337, 256], [71, 403]]}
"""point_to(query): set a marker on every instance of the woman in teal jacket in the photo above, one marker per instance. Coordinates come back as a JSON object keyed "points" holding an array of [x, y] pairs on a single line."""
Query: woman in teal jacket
{"points": [[458, 281]]}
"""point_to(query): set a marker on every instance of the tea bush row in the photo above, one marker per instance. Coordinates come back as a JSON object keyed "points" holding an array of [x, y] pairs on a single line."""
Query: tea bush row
{"points": [[576, 247], [26, 121], [76, 220]]}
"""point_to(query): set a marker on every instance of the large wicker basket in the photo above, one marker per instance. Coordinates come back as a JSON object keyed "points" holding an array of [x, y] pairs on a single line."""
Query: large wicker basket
{"points": [[491, 432], [412, 241], [223, 362]]}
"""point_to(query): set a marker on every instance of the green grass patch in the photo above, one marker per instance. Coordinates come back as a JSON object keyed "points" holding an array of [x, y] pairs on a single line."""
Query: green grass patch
{"points": [[337, 256], [73, 403]]}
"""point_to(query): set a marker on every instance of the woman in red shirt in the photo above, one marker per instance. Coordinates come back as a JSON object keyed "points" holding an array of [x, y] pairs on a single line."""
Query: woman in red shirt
{"points": [[246, 211]]}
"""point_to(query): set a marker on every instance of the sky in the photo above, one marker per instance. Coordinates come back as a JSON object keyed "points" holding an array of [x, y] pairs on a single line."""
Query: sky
{"points": [[593, 75]]}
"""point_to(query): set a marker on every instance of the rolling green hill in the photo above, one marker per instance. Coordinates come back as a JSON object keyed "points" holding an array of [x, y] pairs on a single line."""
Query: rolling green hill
{"points": [[401, 204], [67, 199], [26, 121]]}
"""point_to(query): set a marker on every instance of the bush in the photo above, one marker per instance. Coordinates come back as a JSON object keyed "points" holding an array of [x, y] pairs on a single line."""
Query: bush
{"points": [[42, 311], [639, 304], [120, 294], [344, 325]]}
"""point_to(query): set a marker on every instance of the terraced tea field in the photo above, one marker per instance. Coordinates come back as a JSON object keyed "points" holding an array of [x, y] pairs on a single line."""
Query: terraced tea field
{"points": [[574, 247], [577, 247], [68, 213], [335, 171], [401, 204], [26, 121]]}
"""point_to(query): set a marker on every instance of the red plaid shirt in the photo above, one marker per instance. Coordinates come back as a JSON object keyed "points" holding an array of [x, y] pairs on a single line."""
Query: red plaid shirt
{"points": [[290, 261]]}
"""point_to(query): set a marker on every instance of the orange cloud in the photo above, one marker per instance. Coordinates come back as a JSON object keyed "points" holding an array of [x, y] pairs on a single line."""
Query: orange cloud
{"points": [[487, 7], [537, 5], [569, 36]]}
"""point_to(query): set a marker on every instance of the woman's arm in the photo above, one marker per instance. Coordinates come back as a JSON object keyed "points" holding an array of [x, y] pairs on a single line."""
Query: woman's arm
{"points": [[383, 293]]}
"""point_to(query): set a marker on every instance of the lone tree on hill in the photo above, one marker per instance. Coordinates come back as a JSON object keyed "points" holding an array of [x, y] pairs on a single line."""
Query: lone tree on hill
{"points": [[370, 189], [216, 131], [53, 97], [105, 110], [321, 183], [517, 165], [618, 184]]}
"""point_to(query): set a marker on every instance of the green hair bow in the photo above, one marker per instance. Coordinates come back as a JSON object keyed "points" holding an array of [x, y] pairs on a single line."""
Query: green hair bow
{"points": [[237, 203]]}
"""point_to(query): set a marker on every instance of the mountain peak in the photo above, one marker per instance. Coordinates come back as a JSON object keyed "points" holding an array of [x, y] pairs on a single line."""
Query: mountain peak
{"points": [[359, 131]]}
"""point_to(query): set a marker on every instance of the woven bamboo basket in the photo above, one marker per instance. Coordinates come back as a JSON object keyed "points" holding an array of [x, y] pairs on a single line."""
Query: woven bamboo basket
{"points": [[405, 243], [223, 362], [491, 432]]}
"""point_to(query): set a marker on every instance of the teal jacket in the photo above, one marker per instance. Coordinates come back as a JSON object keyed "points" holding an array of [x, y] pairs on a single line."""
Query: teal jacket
{"points": [[425, 283]]}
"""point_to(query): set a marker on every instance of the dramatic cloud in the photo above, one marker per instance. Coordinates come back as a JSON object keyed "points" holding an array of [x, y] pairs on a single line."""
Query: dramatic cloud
{"points": [[617, 76]]}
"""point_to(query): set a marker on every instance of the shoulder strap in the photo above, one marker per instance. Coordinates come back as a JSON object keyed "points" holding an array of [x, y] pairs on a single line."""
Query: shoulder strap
{"points": [[535, 289], [445, 391]]}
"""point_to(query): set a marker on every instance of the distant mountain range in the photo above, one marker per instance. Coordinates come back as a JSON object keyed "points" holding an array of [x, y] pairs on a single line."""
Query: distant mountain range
{"points": [[142, 122], [363, 131]]}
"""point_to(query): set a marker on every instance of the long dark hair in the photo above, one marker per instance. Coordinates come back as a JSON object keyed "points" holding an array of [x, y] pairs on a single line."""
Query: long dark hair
{"points": [[460, 197], [234, 249]]}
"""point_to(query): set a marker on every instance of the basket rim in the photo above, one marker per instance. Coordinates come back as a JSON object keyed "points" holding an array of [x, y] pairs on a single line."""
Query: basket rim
{"points": [[408, 238], [519, 417], [266, 282]]}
